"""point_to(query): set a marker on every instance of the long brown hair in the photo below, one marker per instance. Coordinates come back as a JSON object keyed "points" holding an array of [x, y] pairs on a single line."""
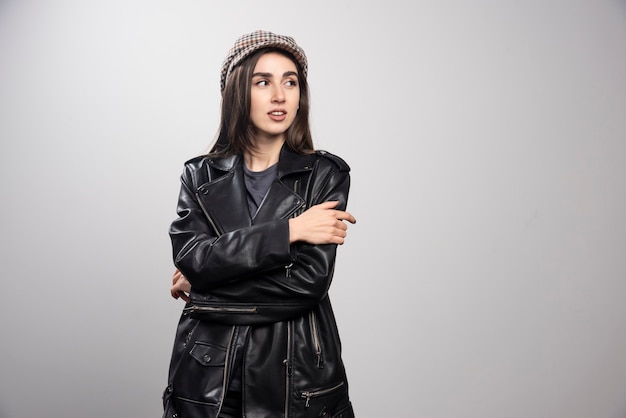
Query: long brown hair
{"points": [[236, 131]]}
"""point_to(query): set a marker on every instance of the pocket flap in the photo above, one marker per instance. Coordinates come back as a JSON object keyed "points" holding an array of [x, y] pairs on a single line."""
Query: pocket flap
{"points": [[207, 354]]}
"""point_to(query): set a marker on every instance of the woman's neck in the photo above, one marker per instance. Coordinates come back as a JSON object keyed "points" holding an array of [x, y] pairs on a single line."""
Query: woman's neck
{"points": [[264, 155]]}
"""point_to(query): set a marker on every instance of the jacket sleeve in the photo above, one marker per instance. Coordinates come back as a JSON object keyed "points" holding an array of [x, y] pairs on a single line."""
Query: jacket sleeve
{"points": [[209, 258], [280, 293]]}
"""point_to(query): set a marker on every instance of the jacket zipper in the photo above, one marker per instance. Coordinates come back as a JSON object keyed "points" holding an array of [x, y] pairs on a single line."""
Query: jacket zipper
{"points": [[288, 270], [308, 395], [206, 213], [296, 213], [226, 367], [216, 309], [316, 340], [288, 370]]}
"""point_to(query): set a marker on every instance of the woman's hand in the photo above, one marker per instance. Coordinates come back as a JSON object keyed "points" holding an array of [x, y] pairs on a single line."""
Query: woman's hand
{"points": [[320, 224], [180, 286]]}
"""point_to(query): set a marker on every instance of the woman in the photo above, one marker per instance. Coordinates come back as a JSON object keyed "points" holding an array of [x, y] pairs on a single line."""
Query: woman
{"points": [[260, 218]]}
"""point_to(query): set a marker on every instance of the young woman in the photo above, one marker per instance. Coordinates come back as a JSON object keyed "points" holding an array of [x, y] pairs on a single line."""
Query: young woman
{"points": [[259, 221]]}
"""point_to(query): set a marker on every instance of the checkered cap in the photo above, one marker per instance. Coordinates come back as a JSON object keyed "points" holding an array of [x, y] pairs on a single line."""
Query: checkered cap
{"points": [[251, 42]]}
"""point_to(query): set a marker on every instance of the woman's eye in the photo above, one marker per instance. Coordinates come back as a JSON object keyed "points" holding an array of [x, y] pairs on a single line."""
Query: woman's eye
{"points": [[292, 83], [261, 83]]}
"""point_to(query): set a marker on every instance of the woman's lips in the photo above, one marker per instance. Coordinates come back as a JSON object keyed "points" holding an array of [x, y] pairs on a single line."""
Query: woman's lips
{"points": [[277, 115]]}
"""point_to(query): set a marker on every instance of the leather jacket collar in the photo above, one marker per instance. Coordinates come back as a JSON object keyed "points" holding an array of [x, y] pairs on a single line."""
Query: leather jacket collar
{"points": [[284, 198], [288, 162]]}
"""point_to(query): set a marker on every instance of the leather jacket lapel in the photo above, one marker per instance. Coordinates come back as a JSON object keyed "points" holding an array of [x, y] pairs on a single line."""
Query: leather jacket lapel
{"points": [[281, 202], [223, 194], [287, 195]]}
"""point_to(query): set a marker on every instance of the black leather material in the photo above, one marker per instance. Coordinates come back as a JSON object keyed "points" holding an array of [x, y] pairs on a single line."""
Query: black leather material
{"points": [[244, 272]]}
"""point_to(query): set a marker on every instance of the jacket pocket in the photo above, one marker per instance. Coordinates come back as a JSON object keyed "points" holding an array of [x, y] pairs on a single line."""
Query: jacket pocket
{"points": [[198, 383], [323, 398], [198, 311], [208, 355], [317, 342], [204, 307]]}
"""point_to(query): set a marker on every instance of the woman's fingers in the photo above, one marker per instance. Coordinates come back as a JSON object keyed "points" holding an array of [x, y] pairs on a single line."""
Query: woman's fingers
{"points": [[321, 224], [180, 286], [345, 216], [328, 204], [176, 276], [177, 292], [184, 296]]}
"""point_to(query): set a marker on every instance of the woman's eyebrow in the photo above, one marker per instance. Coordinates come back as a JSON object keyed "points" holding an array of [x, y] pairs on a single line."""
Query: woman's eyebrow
{"points": [[269, 75]]}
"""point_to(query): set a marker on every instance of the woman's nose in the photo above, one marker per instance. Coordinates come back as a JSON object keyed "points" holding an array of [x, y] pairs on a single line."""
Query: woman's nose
{"points": [[278, 94]]}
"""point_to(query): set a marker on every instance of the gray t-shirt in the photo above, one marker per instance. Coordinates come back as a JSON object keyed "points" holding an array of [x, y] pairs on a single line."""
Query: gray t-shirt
{"points": [[258, 184]]}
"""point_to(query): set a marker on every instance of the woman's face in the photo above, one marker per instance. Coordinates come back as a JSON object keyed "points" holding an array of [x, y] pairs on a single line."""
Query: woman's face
{"points": [[275, 96]]}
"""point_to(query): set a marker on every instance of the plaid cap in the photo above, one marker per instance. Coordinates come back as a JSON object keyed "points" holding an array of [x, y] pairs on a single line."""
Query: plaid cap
{"points": [[251, 42]]}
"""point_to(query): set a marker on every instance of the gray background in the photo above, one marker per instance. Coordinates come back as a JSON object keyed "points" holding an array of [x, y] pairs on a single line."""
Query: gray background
{"points": [[485, 277]]}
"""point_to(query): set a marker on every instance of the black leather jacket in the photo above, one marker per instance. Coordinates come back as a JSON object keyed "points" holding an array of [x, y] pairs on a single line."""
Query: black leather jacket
{"points": [[247, 278]]}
